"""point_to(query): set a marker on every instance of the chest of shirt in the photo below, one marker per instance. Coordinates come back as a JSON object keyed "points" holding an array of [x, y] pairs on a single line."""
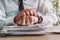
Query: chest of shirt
{"points": [[30, 1]]}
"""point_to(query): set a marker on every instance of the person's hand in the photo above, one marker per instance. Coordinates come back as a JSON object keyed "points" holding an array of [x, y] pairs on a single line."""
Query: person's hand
{"points": [[27, 12], [27, 20], [26, 17]]}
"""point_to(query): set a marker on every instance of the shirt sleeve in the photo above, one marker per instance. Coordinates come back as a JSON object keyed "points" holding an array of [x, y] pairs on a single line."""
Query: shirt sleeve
{"points": [[2, 14], [48, 13], [11, 10]]}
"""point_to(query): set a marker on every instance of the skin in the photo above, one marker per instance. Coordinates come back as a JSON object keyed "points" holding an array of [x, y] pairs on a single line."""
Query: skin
{"points": [[26, 17]]}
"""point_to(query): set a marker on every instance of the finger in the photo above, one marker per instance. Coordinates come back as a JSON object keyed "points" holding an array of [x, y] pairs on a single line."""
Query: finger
{"points": [[23, 20], [31, 20], [27, 13], [34, 13], [16, 19], [35, 19], [31, 12], [21, 14], [19, 22], [27, 21]]}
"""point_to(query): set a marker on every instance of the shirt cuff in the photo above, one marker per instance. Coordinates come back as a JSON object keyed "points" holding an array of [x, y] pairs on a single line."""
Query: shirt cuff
{"points": [[47, 21], [2, 21], [10, 21]]}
